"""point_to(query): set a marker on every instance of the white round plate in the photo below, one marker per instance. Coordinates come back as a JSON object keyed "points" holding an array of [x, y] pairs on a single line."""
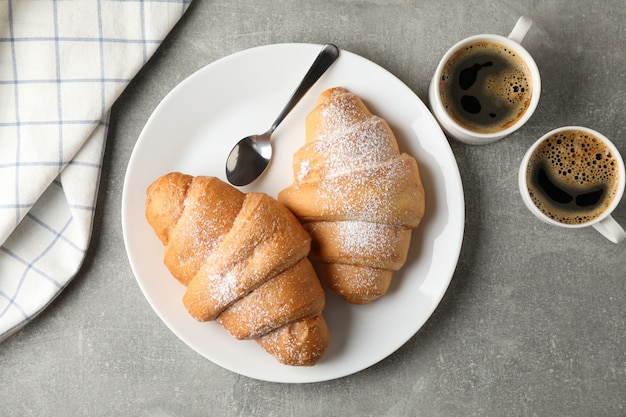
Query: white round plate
{"points": [[192, 131]]}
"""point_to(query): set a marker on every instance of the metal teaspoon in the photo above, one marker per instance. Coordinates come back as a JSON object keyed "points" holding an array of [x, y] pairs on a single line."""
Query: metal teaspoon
{"points": [[251, 155]]}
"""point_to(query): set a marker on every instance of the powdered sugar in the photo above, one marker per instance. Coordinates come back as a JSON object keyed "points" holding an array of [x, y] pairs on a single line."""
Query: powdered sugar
{"points": [[355, 159], [356, 146], [224, 288], [366, 238], [304, 170], [365, 195]]}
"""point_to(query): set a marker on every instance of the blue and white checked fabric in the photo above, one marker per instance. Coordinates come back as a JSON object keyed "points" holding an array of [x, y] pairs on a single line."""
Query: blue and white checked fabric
{"points": [[63, 63]]}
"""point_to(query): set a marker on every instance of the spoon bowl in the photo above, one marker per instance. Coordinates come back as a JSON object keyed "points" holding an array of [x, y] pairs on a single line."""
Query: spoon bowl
{"points": [[252, 154]]}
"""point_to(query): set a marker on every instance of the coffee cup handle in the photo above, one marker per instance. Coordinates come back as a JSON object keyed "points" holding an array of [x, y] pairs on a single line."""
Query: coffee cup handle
{"points": [[520, 29], [610, 229]]}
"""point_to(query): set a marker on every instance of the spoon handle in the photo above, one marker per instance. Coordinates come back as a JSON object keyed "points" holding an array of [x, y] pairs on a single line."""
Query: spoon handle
{"points": [[324, 60]]}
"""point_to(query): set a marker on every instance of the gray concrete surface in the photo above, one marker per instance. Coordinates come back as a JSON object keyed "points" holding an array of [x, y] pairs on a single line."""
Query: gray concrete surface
{"points": [[532, 323]]}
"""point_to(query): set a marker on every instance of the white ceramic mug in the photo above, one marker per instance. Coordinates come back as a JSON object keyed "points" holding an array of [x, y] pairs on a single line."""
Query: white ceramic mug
{"points": [[603, 222], [457, 130]]}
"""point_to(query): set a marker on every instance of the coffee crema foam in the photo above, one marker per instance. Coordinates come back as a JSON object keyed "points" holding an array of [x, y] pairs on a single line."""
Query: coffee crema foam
{"points": [[486, 86], [573, 177]]}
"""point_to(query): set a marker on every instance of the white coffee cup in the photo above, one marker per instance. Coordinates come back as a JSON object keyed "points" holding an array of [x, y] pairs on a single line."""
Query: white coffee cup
{"points": [[599, 216], [453, 127]]}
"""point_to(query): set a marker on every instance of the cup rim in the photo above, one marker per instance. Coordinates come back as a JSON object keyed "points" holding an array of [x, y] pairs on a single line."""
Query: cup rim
{"points": [[523, 186], [479, 137]]}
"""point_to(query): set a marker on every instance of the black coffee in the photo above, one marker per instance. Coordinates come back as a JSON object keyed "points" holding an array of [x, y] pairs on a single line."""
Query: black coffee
{"points": [[573, 177], [486, 87]]}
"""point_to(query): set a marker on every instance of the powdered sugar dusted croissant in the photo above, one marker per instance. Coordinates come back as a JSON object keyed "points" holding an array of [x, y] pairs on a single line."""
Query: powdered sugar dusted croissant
{"points": [[243, 258], [357, 196]]}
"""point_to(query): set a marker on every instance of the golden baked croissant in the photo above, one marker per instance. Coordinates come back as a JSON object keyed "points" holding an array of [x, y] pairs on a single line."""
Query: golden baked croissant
{"points": [[357, 196], [243, 259]]}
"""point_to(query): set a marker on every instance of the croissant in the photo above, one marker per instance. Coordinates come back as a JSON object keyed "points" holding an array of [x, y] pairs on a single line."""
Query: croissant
{"points": [[357, 196], [243, 259]]}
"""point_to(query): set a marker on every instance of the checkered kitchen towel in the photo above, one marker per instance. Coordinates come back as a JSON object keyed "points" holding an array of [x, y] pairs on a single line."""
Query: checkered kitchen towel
{"points": [[63, 63]]}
